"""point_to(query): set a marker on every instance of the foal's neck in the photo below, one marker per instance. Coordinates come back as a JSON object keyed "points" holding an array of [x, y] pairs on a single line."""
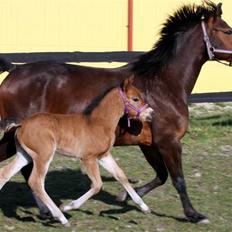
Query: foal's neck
{"points": [[109, 111]]}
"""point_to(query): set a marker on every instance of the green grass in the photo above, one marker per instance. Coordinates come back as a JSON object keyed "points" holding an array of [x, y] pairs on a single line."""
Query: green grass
{"points": [[207, 161]]}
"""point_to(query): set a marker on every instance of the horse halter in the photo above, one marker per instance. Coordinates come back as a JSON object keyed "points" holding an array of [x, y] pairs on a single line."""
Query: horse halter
{"points": [[128, 106], [211, 50]]}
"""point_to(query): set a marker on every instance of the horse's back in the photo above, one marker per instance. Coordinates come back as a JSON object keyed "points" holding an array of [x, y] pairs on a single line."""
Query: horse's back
{"points": [[49, 86]]}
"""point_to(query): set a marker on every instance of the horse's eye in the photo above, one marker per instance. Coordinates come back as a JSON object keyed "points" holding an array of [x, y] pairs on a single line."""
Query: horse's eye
{"points": [[229, 32], [135, 99]]}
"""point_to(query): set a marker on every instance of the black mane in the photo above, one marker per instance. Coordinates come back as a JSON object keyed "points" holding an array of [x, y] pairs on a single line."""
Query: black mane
{"points": [[89, 109], [152, 62]]}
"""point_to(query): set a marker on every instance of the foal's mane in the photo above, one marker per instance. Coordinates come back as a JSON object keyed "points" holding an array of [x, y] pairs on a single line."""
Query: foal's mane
{"points": [[89, 109], [152, 62]]}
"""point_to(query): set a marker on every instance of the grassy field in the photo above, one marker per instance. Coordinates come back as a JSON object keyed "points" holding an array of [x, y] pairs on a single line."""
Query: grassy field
{"points": [[207, 161]]}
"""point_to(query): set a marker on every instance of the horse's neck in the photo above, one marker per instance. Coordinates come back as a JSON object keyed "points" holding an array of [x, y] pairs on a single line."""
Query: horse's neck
{"points": [[109, 111], [182, 71]]}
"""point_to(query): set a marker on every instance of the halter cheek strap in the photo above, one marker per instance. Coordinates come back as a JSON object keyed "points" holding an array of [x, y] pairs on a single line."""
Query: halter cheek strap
{"points": [[211, 50], [129, 106]]}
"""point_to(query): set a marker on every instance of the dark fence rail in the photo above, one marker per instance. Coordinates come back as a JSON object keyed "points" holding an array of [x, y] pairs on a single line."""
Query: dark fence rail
{"points": [[105, 57], [72, 56]]}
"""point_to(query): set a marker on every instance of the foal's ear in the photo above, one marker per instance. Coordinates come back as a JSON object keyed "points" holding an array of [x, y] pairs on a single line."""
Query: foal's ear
{"points": [[219, 10], [128, 82]]}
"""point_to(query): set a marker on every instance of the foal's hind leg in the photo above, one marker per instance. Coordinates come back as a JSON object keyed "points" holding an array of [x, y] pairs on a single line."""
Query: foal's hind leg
{"points": [[92, 170], [111, 166], [13, 167], [36, 182]]}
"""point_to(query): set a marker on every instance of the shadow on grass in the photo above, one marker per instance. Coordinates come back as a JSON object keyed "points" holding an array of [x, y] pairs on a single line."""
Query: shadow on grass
{"points": [[216, 120], [223, 123], [60, 185]]}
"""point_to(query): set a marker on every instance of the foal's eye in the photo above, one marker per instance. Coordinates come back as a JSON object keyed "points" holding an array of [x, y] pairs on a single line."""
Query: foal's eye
{"points": [[135, 99], [229, 32]]}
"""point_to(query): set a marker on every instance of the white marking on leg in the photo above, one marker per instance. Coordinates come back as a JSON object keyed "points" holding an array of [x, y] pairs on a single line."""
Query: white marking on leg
{"points": [[92, 170], [13, 167], [112, 167], [80, 201], [204, 221]]}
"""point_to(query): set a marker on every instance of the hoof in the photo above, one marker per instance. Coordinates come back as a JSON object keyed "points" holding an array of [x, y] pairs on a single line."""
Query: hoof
{"points": [[122, 197], [45, 215], [67, 224], [145, 209], [204, 221], [65, 208], [198, 218]]}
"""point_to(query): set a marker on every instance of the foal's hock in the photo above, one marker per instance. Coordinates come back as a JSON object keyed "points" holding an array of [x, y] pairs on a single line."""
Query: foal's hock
{"points": [[88, 136]]}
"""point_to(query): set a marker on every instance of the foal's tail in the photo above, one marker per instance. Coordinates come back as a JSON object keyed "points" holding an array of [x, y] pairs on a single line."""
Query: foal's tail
{"points": [[6, 125], [6, 65]]}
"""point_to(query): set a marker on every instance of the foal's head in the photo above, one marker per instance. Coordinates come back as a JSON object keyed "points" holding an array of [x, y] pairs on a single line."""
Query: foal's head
{"points": [[135, 105]]}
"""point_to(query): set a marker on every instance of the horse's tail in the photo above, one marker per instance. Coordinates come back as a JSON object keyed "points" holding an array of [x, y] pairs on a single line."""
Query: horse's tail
{"points": [[6, 65], [6, 125]]}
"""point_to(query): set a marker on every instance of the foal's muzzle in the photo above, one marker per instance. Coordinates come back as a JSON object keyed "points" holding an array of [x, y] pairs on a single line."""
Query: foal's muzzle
{"points": [[147, 115]]}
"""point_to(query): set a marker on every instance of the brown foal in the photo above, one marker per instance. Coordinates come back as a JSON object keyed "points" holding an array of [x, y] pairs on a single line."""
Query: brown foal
{"points": [[88, 136]]}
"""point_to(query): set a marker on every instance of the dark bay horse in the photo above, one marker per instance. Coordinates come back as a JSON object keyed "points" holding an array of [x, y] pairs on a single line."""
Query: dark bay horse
{"points": [[166, 75], [89, 136]]}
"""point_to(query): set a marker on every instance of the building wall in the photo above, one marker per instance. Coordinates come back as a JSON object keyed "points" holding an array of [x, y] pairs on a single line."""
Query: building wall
{"points": [[96, 25]]}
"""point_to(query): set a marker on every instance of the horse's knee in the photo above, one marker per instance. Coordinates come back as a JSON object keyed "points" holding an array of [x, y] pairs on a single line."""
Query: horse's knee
{"points": [[179, 184], [162, 177]]}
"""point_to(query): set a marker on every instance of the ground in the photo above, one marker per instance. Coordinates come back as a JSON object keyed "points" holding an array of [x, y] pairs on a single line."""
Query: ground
{"points": [[207, 153]]}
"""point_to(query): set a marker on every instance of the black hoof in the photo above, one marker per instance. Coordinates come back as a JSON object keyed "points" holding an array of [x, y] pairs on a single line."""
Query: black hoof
{"points": [[45, 215], [198, 218]]}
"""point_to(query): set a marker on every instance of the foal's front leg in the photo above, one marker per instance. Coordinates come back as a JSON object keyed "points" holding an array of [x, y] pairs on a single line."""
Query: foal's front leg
{"points": [[112, 167], [92, 170]]}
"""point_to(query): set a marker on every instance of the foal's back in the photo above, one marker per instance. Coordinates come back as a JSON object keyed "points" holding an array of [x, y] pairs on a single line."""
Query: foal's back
{"points": [[72, 135]]}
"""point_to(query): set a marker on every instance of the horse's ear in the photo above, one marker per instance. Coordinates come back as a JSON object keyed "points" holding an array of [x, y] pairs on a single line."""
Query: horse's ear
{"points": [[219, 10]]}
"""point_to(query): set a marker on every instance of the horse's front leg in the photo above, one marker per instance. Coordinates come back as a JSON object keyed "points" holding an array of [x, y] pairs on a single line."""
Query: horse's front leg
{"points": [[155, 159], [171, 150]]}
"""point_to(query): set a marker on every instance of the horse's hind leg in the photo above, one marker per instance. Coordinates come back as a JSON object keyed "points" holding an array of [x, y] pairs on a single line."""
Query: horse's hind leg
{"points": [[92, 170], [111, 166], [13, 167], [36, 182], [155, 159]]}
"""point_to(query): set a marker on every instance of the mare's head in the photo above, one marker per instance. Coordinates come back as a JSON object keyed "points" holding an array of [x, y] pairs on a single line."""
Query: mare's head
{"points": [[217, 34], [134, 101], [189, 20]]}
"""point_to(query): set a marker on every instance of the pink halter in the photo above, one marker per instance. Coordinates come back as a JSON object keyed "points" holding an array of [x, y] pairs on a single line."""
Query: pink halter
{"points": [[128, 106]]}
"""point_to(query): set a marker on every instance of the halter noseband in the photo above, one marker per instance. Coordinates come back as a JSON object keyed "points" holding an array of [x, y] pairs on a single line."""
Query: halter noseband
{"points": [[128, 106], [211, 50]]}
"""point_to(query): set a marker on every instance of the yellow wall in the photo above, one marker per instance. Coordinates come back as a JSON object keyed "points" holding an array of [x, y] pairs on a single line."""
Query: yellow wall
{"points": [[96, 25], [148, 18]]}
